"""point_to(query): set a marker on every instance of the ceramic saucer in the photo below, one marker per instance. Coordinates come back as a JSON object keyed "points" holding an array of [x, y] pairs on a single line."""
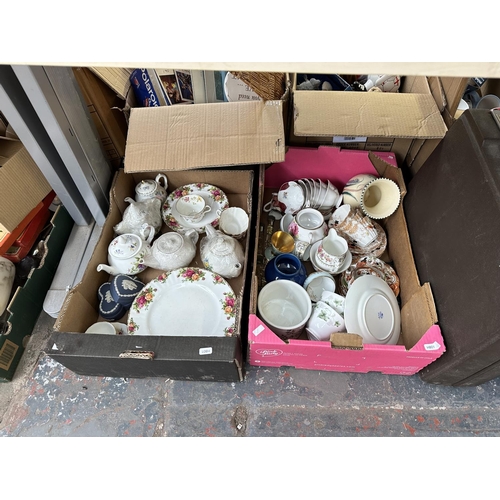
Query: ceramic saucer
{"points": [[213, 196], [362, 266], [372, 311], [317, 266]]}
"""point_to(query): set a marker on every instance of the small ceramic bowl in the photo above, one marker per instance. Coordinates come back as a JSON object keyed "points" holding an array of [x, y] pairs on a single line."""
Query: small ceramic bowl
{"points": [[323, 322], [318, 283]]}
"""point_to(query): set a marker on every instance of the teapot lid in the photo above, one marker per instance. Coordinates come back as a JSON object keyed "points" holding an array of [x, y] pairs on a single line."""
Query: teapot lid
{"points": [[125, 246], [169, 243], [146, 186], [222, 245]]}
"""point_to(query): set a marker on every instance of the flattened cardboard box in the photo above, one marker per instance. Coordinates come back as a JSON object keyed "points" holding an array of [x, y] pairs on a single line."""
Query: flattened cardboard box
{"points": [[154, 146], [26, 304], [22, 184], [377, 121], [421, 341]]}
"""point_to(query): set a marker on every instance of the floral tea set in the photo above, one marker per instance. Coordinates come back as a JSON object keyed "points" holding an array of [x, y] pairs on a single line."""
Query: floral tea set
{"points": [[198, 218], [351, 289]]}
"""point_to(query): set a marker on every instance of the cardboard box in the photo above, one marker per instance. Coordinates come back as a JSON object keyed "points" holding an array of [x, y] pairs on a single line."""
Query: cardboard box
{"points": [[447, 92], [22, 185], [375, 121], [105, 109], [174, 140], [421, 342], [26, 303]]}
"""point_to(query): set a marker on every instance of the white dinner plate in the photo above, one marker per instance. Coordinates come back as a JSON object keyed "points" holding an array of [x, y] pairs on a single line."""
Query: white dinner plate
{"points": [[213, 196], [187, 302], [372, 311]]}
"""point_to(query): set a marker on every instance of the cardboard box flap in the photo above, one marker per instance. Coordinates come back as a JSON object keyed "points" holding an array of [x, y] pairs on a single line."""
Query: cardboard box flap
{"points": [[377, 114], [205, 135], [116, 79], [417, 315], [8, 148]]}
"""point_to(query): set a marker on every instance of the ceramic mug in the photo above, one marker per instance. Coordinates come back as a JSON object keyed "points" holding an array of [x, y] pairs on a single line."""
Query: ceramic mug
{"points": [[192, 207]]}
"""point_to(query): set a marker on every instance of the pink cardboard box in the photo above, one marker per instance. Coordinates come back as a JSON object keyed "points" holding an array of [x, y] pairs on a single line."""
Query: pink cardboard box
{"points": [[421, 341]]}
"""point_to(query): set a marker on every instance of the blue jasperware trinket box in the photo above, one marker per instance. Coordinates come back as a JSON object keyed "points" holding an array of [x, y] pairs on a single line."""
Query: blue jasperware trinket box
{"points": [[124, 289], [109, 309]]}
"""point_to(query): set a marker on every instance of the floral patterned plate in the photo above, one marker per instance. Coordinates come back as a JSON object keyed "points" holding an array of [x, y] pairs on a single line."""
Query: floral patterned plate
{"points": [[186, 302], [213, 196]]}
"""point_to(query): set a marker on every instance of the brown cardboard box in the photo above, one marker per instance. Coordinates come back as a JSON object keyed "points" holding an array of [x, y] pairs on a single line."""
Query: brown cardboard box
{"points": [[175, 141], [22, 184], [104, 107], [375, 121]]}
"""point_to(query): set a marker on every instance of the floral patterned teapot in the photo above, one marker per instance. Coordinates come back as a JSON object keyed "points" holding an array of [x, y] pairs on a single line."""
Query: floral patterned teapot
{"points": [[149, 188], [222, 254], [125, 255], [139, 213]]}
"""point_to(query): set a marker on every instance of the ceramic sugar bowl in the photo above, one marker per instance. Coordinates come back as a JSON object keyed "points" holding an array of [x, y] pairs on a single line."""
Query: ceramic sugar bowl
{"points": [[172, 250], [149, 188], [139, 213], [125, 255], [222, 254]]}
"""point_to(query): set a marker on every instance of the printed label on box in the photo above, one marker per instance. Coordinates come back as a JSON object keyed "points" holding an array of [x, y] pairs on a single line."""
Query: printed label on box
{"points": [[432, 347], [205, 350], [348, 138]]}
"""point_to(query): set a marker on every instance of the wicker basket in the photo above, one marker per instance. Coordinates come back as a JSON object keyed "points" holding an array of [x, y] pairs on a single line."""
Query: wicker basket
{"points": [[268, 86]]}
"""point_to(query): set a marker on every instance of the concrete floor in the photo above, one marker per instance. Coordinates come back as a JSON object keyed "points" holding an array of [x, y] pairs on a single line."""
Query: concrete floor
{"points": [[46, 399]]}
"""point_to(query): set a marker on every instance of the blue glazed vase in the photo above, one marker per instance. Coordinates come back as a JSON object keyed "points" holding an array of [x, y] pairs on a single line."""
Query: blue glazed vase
{"points": [[286, 267]]}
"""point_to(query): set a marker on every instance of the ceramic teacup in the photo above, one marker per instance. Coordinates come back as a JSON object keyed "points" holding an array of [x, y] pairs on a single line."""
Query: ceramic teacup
{"points": [[285, 307], [282, 242], [192, 207], [234, 222], [323, 322], [355, 226]]}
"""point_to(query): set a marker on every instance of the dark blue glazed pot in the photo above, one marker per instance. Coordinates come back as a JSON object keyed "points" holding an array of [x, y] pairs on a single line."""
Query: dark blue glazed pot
{"points": [[285, 267]]}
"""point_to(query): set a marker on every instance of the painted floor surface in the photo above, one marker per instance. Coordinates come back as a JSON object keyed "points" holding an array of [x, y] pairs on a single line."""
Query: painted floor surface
{"points": [[50, 400]]}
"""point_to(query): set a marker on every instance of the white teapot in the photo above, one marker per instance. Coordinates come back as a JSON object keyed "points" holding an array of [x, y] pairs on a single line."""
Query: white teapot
{"points": [[221, 253], [139, 213], [172, 250], [125, 255], [149, 188]]}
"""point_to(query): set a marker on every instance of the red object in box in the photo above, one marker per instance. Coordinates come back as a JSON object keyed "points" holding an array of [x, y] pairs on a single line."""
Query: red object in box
{"points": [[19, 242]]}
